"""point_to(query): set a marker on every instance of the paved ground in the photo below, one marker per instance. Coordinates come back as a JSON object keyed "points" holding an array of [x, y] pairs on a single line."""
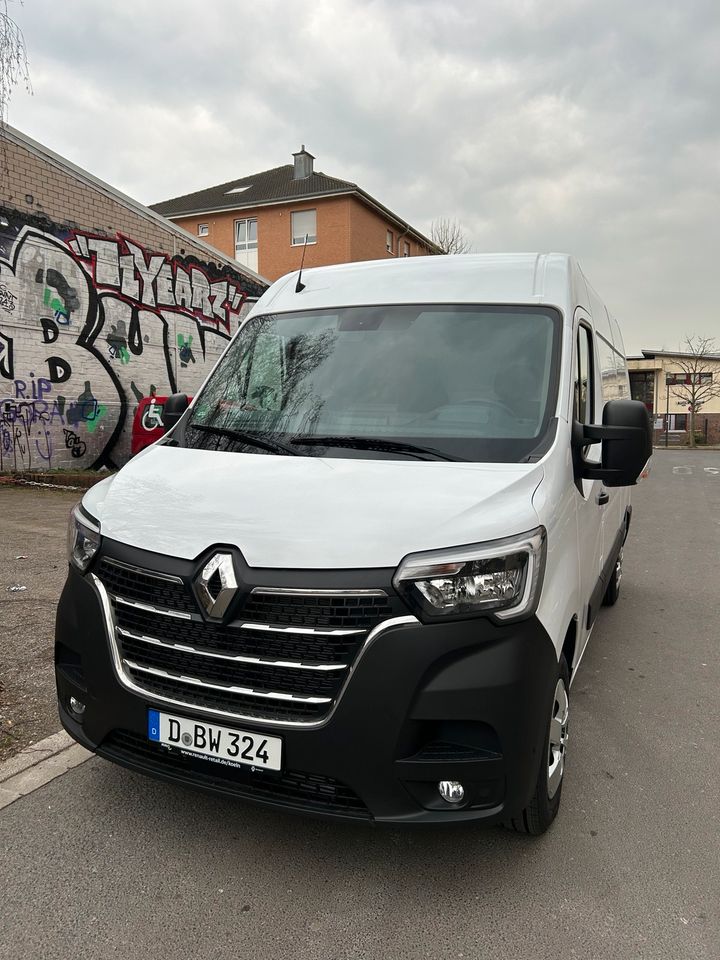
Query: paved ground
{"points": [[33, 524], [101, 863]]}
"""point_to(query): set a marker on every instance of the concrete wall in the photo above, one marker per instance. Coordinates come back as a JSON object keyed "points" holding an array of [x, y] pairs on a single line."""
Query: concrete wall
{"points": [[347, 230], [101, 303]]}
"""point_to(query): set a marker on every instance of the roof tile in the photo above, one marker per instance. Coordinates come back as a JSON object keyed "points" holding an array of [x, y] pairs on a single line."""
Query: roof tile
{"points": [[268, 186]]}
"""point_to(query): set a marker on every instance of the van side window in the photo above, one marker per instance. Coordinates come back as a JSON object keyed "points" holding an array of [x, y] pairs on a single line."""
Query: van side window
{"points": [[583, 404]]}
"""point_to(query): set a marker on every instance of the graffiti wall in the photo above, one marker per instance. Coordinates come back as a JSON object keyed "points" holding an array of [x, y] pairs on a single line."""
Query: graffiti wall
{"points": [[91, 324]]}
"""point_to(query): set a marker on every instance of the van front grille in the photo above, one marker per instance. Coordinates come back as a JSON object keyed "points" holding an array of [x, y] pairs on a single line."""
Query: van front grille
{"points": [[231, 704], [285, 658], [335, 610], [237, 673], [236, 638], [122, 580]]}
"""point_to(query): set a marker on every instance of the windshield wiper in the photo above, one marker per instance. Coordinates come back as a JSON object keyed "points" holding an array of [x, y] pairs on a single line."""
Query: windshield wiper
{"points": [[375, 443], [274, 446]]}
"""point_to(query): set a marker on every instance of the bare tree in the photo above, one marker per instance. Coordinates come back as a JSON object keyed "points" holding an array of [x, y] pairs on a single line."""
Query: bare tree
{"points": [[449, 236], [13, 60], [698, 379]]}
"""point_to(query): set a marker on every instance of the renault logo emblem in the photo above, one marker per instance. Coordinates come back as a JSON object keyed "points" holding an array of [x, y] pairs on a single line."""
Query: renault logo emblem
{"points": [[217, 585]]}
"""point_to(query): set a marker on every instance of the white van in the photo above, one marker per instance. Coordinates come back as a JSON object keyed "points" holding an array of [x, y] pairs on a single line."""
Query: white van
{"points": [[357, 576]]}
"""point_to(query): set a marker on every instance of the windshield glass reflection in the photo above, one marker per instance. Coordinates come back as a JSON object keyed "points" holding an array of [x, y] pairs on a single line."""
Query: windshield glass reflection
{"points": [[448, 382]]}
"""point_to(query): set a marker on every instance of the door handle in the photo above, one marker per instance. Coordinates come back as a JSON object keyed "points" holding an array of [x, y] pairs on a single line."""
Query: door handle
{"points": [[603, 497]]}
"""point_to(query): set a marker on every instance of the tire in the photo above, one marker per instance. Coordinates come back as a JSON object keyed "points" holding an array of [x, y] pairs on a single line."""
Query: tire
{"points": [[545, 802], [613, 588]]}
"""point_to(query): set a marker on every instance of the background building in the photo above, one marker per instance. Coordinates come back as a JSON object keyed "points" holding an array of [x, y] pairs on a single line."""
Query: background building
{"points": [[262, 220], [649, 375], [102, 302]]}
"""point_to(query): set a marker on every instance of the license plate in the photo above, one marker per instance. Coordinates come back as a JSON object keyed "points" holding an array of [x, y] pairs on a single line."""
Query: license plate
{"points": [[221, 744]]}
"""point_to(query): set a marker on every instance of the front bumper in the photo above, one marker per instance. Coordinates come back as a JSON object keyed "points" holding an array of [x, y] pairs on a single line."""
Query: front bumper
{"points": [[463, 701]]}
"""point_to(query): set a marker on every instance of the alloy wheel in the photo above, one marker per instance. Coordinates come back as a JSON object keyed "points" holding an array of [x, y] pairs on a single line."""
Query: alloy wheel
{"points": [[558, 737]]}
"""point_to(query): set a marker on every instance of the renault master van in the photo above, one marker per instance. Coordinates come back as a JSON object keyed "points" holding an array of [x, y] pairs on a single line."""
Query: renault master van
{"points": [[357, 576]]}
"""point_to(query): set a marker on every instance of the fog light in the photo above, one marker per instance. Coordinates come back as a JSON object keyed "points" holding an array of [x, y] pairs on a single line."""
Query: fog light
{"points": [[451, 791], [77, 707]]}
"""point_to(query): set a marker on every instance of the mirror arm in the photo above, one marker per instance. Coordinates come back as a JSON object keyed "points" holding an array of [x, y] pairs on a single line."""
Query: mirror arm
{"points": [[595, 433], [600, 473], [584, 434]]}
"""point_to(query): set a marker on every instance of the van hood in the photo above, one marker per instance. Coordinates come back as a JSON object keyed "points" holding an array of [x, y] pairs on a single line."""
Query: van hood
{"points": [[310, 512]]}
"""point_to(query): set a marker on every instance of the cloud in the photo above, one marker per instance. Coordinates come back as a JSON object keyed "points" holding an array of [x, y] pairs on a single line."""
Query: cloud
{"points": [[539, 125]]}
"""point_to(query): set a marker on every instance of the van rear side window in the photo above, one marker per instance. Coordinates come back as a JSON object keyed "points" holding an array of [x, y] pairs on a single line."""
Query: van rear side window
{"points": [[583, 377], [613, 371]]}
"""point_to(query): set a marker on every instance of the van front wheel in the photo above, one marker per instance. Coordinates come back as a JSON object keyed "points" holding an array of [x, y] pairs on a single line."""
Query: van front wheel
{"points": [[545, 802]]}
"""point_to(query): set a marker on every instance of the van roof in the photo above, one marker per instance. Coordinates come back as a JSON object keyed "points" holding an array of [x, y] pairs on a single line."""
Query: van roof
{"points": [[517, 278]]}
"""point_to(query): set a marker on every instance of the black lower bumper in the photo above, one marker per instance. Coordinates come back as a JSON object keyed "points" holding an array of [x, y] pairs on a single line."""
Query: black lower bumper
{"points": [[465, 701]]}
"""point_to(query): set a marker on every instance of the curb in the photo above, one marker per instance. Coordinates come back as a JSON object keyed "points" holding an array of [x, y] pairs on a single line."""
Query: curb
{"points": [[37, 765]]}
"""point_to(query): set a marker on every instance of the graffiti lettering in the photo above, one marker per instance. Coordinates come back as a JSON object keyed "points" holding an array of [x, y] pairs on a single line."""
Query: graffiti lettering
{"points": [[60, 369], [156, 280], [74, 444], [6, 357], [7, 299], [50, 330], [43, 446]]}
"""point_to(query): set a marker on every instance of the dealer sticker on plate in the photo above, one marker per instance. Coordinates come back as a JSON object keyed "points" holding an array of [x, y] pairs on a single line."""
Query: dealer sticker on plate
{"points": [[221, 744]]}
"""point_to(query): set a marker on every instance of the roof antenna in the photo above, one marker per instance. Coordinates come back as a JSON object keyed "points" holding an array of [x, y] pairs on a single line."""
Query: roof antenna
{"points": [[300, 285]]}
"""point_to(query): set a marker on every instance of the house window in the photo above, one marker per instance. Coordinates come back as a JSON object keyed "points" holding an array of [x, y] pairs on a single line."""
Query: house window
{"points": [[678, 421], [203, 230], [642, 387], [389, 241], [406, 249], [304, 223], [246, 243], [695, 377]]}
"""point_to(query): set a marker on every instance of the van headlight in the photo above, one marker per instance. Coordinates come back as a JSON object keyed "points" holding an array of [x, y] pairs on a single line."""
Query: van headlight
{"points": [[83, 538], [501, 577]]}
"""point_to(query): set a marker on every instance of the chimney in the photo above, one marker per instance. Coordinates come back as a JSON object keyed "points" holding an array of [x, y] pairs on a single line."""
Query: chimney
{"points": [[303, 164]]}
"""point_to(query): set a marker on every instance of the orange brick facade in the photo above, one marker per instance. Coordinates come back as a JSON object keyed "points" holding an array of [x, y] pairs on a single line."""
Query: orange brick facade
{"points": [[347, 230]]}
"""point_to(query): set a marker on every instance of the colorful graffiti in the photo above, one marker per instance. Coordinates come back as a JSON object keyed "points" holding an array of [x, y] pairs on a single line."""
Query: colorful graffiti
{"points": [[158, 281], [89, 326]]}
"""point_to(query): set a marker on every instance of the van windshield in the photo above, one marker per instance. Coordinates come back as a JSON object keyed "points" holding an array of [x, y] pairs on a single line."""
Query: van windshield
{"points": [[474, 383]]}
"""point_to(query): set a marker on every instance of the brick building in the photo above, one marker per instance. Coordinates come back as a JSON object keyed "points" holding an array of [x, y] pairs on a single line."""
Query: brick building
{"points": [[659, 378], [262, 220], [102, 302]]}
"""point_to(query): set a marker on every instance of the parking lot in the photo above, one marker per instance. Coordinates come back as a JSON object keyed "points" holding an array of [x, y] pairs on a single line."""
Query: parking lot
{"points": [[103, 863]]}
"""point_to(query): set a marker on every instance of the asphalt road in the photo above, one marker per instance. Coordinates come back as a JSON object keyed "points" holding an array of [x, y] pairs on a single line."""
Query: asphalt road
{"points": [[101, 863]]}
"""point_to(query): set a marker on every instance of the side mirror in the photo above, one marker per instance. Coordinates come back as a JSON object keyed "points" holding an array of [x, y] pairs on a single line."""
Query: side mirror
{"points": [[175, 407], [626, 437]]}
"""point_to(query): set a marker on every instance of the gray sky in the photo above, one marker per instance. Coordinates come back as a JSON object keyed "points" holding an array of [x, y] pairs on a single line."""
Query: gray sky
{"points": [[585, 127]]}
